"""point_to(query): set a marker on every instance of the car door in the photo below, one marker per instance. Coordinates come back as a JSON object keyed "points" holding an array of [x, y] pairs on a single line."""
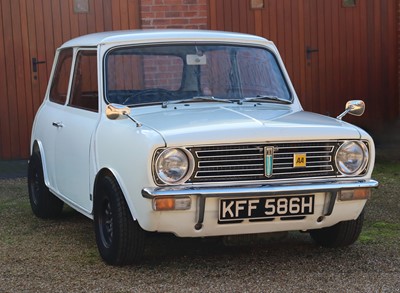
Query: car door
{"points": [[76, 126], [51, 111]]}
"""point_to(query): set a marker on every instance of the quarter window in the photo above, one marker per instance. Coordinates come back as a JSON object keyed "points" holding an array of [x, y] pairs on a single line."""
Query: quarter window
{"points": [[59, 86], [84, 92]]}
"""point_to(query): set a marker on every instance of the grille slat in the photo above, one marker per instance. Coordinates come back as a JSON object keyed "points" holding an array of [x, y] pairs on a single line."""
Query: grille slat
{"points": [[237, 166], [246, 162], [224, 156]]}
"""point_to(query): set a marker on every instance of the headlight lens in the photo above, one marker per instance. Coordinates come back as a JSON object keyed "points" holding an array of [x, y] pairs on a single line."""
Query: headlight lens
{"points": [[351, 158], [172, 166]]}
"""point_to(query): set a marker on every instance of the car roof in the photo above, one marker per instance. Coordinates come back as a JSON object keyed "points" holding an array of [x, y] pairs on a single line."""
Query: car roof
{"points": [[151, 36]]}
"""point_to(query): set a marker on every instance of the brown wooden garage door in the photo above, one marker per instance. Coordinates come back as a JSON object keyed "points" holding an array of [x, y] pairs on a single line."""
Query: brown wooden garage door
{"points": [[333, 50], [34, 29]]}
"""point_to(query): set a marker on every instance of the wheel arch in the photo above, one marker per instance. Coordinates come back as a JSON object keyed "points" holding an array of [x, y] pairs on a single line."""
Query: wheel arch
{"points": [[37, 148], [107, 171]]}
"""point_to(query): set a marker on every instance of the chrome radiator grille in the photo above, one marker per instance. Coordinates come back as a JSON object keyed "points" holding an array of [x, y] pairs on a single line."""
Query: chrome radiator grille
{"points": [[247, 162]]}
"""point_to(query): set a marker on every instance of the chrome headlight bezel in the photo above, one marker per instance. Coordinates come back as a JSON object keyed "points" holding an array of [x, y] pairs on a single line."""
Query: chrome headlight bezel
{"points": [[161, 177], [344, 166]]}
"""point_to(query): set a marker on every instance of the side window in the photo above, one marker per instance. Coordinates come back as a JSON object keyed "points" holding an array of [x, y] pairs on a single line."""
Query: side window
{"points": [[59, 86], [84, 92]]}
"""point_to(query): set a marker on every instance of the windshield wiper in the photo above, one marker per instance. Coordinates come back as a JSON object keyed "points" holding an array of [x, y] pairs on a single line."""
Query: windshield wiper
{"points": [[260, 98], [196, 99]]}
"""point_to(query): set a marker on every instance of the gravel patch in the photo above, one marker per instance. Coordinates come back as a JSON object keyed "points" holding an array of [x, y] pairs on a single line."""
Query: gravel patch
{"points": [[61, 255]]}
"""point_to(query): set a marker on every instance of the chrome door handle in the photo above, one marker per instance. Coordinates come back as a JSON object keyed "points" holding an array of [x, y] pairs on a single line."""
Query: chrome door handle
{"points": [[58, 124]]}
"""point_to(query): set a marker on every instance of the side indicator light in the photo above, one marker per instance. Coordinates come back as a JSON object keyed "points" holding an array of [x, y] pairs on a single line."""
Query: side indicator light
{"points": [[171, 203], [355, 194]]}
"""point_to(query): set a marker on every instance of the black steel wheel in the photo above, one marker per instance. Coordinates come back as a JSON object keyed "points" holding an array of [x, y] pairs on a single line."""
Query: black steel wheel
{"points": [[44, 204], [342, 234], [120, 239]]}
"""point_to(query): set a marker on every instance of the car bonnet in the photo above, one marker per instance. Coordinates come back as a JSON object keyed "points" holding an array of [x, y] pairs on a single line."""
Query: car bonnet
{"points": [[197, 124]]}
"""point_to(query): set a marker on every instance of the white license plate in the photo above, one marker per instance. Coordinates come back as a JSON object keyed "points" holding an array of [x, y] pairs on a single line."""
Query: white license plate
{"points": [[233, 209]]}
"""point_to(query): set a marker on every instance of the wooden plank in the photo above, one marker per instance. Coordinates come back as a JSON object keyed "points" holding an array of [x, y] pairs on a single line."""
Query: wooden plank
{"points": [[296, 34], [56, 23], [251, 26], [280, 24], [328, 97], [42, 76], [65, 21], [301, 51], [377, 79], [258, 22], [91, 18], [28, 97], [384, 51], [335, 54], [236, 16], [20, 111], [212, 7], [36, 98], [349, 57], [322, 70], [134, 14], [116, 17], [5, 141], [99, 15], [364, 55], [314, 57], [388, 24], [359, 89], [74, 21], [265, 19], [286, 23], [108, 21], [45, 69], [10, 79], [220, 15], [392, 59], [343, 52], [273, 23], [82, 23], [308, 95], [243, 16], [124, 14], [228, 15]]}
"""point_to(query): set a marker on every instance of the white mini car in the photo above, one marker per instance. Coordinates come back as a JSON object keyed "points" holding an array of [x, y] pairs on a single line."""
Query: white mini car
{"points": [[195, 133]]}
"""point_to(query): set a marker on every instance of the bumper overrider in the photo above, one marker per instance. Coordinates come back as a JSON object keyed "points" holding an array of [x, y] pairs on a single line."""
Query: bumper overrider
{"points": [[179, 198]]}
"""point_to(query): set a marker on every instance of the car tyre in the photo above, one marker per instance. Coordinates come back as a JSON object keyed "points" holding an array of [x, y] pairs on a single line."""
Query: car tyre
{"points": [[44, 204], [119, 238], [342, 234]]}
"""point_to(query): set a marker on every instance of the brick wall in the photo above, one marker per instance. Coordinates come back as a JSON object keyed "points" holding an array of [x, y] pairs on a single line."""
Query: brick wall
{"points": [[188, 14]]}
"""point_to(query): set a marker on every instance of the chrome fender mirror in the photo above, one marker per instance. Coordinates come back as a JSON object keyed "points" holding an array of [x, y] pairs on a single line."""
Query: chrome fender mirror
{"points": [[353, 107], [115, 111]]}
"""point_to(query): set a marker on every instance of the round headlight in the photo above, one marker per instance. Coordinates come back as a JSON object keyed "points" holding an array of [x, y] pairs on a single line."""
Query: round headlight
{"points": [[172, 166], [351, 158]]}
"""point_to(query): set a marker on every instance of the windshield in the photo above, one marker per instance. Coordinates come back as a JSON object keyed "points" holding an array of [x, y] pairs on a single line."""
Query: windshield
{"points": [[165, 73]]}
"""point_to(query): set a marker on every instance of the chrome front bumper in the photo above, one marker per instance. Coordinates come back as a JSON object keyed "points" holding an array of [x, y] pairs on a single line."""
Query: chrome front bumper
{"points": [[203, 192]]}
